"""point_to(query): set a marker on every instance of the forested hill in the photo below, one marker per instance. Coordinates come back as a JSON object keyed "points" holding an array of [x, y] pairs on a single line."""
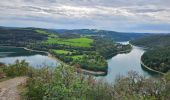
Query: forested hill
{"points": [[157, 56], [117, 36], [20, 36], [157, 59], [161, 40], [83, 51]]}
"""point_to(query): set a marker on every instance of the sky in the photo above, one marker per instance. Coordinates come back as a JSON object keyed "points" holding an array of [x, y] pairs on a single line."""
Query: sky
{"points": [[117, 15]]}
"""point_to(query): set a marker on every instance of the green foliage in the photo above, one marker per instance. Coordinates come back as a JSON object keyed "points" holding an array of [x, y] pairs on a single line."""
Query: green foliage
{"points": [[61, 51], [64, 83], [77, 42], [117, 36], [153, 41], [157, 59], [92, 62], [74, 46], [157, 56], [107, 48], [17, 69], [20, 37], [38, 82], [41, 32], [69, 36], [77, 57]]}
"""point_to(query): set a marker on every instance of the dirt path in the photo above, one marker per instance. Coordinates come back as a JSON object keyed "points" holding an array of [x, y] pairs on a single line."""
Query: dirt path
{"points": [[8, 89]]}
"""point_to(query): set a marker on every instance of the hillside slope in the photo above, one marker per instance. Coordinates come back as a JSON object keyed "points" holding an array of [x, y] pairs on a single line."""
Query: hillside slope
{"points": [[116, 36], [161, 40], [157, 56]]}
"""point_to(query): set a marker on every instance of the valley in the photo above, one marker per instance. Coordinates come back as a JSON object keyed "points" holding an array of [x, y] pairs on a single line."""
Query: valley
{"points": [[157, 56], [82, 51], [81, 63]]}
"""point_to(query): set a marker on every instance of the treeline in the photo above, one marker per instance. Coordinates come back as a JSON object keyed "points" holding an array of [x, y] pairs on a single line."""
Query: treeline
{"points": [[157, 59], [108, 48], [69, 35], [161, 40], [88, 60], [20, 37], [116, 36], [157, 56], [92, 58], [64, 83], [92, 62]]}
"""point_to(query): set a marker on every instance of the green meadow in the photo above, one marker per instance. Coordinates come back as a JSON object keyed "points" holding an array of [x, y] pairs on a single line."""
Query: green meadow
{"points": [[77, 42], [65, 52], [61, 51], [77, 57], [42, 32]]}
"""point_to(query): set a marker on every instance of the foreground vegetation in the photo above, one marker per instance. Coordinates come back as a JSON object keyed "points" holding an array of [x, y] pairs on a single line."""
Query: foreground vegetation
{"points": [[157, 56], [87, 52], [64, 83]]}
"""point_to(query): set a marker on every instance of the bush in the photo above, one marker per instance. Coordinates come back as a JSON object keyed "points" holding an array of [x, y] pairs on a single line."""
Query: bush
{"points": [[62, 84], [20, 68], [65, 84]]}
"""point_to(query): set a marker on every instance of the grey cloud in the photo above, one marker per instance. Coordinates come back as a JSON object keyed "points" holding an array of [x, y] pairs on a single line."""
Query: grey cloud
{"points": [[93, 13], [147, 10]]}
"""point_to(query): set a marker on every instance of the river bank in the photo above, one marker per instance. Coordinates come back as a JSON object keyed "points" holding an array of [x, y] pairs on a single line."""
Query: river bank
{"points": [[150, 69], [123, 63], [96, 73]]}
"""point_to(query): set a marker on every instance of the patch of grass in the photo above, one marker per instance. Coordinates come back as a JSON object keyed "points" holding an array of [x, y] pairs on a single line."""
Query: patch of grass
{"points": [[46, 33], [61, 51], [42, 32], [77, 42], [53, 35], [77, 57]]}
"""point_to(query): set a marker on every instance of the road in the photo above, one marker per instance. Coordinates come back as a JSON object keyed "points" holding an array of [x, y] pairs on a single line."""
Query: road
{"points": [[8, 88]]}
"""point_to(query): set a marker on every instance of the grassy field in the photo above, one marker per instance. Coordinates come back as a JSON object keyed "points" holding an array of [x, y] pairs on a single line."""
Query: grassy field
{"points": [[42, 32], [77, 57], [61, 51], [77, 42], [46, 33]]}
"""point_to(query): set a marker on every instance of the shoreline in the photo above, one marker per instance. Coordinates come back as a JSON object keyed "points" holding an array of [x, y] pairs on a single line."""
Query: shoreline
{"points": [[150, 69], [97, 73], [120, 52], [146, 67]]}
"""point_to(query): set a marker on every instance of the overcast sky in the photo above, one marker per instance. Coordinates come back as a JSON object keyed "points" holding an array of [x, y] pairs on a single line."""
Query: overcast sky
{"points": [[117, 15]]}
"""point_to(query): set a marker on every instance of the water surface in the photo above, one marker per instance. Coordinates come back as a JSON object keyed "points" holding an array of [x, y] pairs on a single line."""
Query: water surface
{"points": [[121, 64], [9, 55]]}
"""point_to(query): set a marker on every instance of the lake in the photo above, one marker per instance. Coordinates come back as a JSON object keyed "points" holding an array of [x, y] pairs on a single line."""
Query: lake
{"points": [[9, 55], [120, 64]]}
